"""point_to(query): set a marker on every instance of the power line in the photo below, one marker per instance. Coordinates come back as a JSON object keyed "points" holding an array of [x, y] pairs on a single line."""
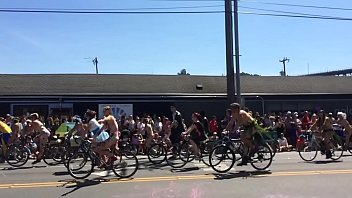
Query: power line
{"points": [[298, 16], [116, 9], [107, 12], [285, 12], [270, 3], [297, 5]]}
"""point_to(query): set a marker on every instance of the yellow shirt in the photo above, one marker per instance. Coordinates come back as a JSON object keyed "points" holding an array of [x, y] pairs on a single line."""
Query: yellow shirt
{"points": [[4, 128]]}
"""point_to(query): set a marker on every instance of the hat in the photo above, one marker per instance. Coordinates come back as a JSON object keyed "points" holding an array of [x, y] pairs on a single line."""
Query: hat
{"points": [[289, 112]]}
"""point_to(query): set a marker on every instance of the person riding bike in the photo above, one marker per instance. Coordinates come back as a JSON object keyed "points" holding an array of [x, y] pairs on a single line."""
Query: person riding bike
{"points": [[43, 135], [197, 133], [342, 120], [243, 120], [5, 135], [324, 125]]}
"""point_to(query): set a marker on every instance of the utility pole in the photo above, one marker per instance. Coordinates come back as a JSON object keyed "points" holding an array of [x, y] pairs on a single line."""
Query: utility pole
{"points": [[95, 62], [230, 76], [283, 61], [237, 53]]}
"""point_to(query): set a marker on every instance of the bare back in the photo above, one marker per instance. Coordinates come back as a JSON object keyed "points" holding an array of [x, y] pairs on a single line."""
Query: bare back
{"points": [[111, 123], [242, 118]]}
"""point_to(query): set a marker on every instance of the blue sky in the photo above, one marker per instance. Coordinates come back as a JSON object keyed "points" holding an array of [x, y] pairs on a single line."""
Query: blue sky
{"points": [[167, 43]]}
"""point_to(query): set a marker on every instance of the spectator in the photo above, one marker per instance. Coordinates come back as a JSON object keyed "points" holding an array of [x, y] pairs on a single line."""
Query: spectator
{"points": [[213, 125], [305, 121], [283, 144]]}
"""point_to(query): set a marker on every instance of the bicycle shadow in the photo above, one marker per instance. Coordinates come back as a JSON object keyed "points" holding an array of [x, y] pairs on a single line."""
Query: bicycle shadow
{"points": [[326, 162], [76, 185], [184, 170], [242, 174], [22, 167]]}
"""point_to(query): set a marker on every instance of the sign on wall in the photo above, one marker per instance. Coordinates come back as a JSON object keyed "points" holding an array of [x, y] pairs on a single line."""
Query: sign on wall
{"points": [[117, 110]]}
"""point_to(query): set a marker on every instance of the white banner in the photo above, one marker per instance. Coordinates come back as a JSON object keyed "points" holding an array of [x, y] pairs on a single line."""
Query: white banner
{"points": [[117, 110]]}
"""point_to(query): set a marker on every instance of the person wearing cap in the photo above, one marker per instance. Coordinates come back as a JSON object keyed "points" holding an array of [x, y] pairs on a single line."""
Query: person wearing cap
{"points": [[43, 136], [5, 132], [342, 120]]}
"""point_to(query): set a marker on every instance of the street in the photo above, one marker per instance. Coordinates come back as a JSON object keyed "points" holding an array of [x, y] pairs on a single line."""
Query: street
{"points": [[288, 177]]}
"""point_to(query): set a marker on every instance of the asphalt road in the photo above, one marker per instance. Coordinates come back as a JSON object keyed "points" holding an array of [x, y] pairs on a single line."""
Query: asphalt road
{"points": [[288, 177]]}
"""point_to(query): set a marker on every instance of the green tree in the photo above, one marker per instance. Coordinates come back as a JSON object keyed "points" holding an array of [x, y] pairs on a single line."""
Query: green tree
{"points": [[183, 72]]}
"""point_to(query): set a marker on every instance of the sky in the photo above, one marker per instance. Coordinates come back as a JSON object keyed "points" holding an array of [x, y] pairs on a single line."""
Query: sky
{"points": [[41, 43]]}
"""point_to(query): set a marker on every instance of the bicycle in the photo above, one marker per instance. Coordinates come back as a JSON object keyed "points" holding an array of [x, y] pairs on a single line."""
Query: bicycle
{"points": [[224, 155], [311, 143], [81, 164], [17, 153]]}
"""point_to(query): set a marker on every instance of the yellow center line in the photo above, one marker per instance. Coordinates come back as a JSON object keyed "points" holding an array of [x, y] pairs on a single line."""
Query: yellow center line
{"points": [[172, 178]]}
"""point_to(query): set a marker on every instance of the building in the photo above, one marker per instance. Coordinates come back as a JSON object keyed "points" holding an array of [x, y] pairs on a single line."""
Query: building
{"points": [[70, 94]]}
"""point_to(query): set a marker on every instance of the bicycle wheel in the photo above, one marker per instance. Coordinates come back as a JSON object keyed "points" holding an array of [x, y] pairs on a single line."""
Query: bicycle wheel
{"points": [[349, 145], [80, 165], [308, 150], [274, 146], [222, 158], [262, 157], [337, 148], [205, 150], [175, 160], [52, 155], [126, 166], [17, 156], [186, 153], [157, 154]]}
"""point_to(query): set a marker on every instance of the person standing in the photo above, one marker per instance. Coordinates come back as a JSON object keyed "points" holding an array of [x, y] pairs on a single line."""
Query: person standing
{"points": [[177, 126]]}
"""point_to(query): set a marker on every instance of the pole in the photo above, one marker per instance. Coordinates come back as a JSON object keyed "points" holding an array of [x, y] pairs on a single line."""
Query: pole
{"points": [[95, 62], [229, 53], [237, 53], [283, 61], [263, 107]]}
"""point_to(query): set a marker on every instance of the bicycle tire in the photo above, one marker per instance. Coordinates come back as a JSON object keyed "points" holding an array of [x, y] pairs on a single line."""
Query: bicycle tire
{"points": [[157, 151], [50, 154], [172, 157], [122, 164], [305, 147], [87, 157], [24, 154], [261, 151], [337, 150], [221, 152]]}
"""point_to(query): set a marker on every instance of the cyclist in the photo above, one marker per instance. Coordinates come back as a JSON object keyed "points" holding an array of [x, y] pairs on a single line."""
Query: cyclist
{"points": [[247, 123], [43, 136], [111, 127], [345, 124], [197, 133], [149, 133], [324, 125], [5, 134]]}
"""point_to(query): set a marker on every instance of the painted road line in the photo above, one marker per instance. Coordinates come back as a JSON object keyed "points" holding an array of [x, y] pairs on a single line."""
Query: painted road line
{"points": [[171, 178]]}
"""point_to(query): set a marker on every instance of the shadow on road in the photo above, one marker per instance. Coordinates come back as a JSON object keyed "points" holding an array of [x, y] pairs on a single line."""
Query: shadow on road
{"points": [[326, 162], [79, 184], [16, 168], [183, 170], [241, 174]]}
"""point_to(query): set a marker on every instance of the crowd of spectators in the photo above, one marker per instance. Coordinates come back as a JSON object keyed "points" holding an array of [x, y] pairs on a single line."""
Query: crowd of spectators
{"points": [[288, 126]]}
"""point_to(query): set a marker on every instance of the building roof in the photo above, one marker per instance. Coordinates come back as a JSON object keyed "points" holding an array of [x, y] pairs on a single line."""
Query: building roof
{"points": [[124, 84]]}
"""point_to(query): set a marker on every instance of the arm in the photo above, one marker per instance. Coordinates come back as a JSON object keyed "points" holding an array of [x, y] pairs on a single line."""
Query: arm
{"points": [[230, 125], [190, 129]]}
